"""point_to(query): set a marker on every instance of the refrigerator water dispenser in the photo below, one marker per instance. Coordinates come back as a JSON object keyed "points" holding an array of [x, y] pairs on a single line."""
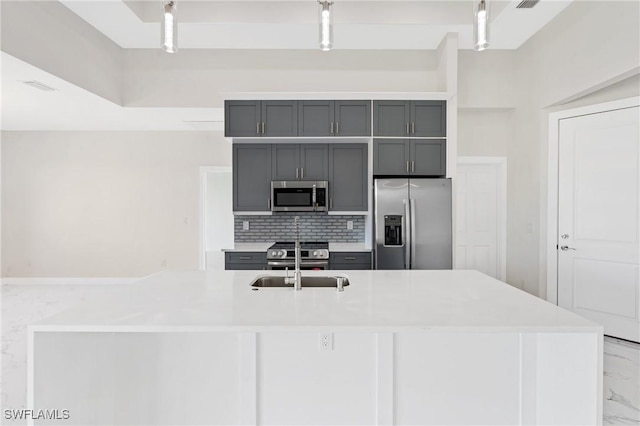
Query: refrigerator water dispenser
{"points": [[393, 230]]}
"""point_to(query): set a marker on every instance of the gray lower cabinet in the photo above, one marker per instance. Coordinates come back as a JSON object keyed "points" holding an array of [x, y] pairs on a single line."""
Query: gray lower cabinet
{"points": [[300, 162], [245, 260], [260, 118], [251, 177], [334, 118], [410, 118], [409, 157], [350, 260], [348, 188]]}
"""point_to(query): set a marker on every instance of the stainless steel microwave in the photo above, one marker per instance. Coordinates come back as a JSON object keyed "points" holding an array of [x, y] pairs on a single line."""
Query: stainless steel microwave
{"points": [[299, 195]]}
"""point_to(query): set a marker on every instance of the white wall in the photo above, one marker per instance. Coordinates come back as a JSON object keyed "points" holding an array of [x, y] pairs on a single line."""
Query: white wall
{"points": [[196, 79], [96, 204], [590, 45], [505, 97], [485, 131]]}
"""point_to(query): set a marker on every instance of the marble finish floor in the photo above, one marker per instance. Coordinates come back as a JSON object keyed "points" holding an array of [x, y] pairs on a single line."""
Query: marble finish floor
{"points": [[621, 383], [24, 304]]}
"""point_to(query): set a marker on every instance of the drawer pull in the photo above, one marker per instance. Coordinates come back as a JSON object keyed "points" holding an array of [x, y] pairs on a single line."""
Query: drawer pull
{"points": [[245, 257], [349, 258]]}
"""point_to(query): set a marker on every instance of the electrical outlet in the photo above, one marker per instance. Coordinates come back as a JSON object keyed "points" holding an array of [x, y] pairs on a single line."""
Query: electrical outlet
{"points": [[350, 225], [245, 225], [326, 342]]}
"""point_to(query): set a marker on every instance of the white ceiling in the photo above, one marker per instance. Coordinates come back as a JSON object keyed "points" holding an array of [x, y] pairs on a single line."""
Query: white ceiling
{"points": [[293, 24], [240, 24]]}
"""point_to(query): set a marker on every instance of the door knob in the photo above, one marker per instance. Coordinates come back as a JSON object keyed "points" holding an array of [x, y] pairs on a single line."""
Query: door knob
{"points": [[564, 236], [565, 248]]}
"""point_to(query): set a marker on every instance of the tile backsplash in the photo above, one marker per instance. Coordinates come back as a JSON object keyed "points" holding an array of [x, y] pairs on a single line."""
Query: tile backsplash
{"points": [[313, 227]]}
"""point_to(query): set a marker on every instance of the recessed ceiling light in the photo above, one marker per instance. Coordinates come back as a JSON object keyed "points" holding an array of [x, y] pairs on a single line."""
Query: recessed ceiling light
{"points": [[38, 85]]}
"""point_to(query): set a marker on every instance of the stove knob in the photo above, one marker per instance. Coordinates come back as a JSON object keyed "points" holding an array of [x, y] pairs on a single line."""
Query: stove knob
{"points": [[282, 253], [315, 253]]}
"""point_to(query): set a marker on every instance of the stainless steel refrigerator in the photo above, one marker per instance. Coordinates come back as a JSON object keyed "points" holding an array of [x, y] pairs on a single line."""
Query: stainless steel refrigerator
{"points": [[412, 223]]}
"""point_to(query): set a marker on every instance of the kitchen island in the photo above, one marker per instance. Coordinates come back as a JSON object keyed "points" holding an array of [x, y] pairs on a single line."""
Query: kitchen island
{"points": [[395, 347]]}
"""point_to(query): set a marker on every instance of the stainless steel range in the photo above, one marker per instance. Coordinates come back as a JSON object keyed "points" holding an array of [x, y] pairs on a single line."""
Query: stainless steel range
{"points": [[314, 255]]}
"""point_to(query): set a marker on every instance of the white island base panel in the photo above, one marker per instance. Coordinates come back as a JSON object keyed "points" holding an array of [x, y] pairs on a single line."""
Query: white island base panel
{"points": [[291, 378]]}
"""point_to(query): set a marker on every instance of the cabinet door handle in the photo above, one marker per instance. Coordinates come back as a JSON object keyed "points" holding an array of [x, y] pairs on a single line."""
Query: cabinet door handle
{"points": [[332, 127], [257, 128], [330, 203], [413, 127], [269, 203], [407, 166], [263, 127], [296, 173], [413, 166], [407, 127], [302, 173], [337, 127]]}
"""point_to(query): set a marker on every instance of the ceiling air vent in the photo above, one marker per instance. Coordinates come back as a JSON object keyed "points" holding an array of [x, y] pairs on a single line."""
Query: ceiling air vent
{"points": [[38, 85], [527, 4]]}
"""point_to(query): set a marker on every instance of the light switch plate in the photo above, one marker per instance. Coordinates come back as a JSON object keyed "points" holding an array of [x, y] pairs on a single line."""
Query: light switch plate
{"points": [[350, 225], [245, 225]]}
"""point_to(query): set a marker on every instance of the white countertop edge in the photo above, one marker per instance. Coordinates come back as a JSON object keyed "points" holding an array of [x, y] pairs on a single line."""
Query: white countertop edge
{"points": [[264, 246], [38, 328], [340, 247], [240, 247]]}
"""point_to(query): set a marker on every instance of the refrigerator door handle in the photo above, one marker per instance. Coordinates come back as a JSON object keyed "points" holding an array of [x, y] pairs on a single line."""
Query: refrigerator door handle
{"points": [[407, 233], [412, 208]]}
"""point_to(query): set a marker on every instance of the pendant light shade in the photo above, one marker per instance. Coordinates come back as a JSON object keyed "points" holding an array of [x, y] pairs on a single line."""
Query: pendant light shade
{"points": [[169, 27], [480, 25], [326, 25]]}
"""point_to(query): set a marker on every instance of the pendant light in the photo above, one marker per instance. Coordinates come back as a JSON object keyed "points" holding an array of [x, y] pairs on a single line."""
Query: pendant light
{"points": [[480, 25], [326, 25], [169, 28]]}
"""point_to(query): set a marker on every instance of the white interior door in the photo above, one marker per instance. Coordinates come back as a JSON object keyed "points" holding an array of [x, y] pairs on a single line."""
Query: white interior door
{"points": [[598, 219], [481, 215]]}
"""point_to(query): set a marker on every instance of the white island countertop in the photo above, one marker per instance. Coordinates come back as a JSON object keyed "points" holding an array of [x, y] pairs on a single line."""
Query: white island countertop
{"points": [[375, 300]]}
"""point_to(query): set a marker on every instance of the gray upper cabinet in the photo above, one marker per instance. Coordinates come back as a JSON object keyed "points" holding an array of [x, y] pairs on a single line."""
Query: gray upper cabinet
{"points": [[410, 118], [428, 157], [391, 118], [260, 118], [300, 162], [334, 118], [352, 118], [314, 161], [391, 157], [428, 118], [279, 118], [315, 118], [242, 118], [348, 189], [251, 177], [285, 161], [409, 157]]}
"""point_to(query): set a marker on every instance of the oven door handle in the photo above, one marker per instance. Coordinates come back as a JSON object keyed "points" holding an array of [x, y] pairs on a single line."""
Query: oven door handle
{"points": [[302, 263]]}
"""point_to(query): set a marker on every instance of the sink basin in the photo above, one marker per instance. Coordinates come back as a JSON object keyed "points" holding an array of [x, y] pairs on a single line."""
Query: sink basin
{"points": [[312, 281]]}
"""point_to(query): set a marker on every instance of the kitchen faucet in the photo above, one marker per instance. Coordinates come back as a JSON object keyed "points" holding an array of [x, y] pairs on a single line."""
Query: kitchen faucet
{"points": [[297, 275]]}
